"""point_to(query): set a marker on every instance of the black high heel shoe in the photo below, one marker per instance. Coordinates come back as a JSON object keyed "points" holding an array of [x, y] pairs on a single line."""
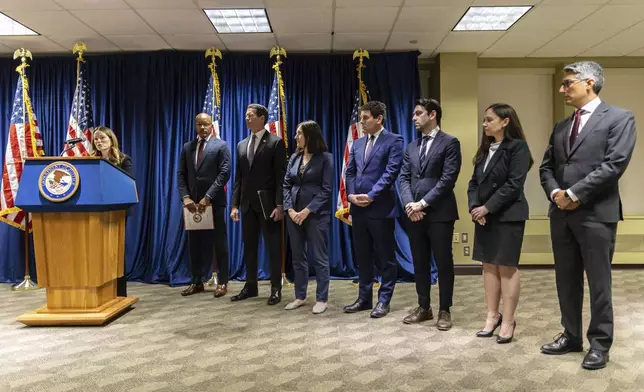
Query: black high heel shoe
{"points": [[501, 340], [488, 334]]}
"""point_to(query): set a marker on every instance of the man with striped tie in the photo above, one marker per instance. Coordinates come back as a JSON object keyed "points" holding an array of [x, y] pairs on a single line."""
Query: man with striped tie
{"points": [[430, 169]]}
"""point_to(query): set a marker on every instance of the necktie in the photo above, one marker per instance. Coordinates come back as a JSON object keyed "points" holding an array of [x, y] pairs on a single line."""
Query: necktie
{"points": [[369, 147], [200, 151], [251, 150], [575, 128], [423, 148]]}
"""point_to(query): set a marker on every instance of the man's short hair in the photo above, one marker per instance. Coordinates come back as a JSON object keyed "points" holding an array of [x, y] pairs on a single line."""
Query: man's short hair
{"points": [[260, 110], [376, 108], [588, 70], [431, 104]]}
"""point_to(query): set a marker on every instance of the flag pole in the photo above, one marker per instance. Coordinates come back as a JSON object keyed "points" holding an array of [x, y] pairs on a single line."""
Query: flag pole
{"points": [[213, 53], [278, 52], [27, 284], [79, 47]]}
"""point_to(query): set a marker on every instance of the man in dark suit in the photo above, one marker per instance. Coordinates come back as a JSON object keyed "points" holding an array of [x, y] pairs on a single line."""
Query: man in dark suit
{"points": [[587, 154], [261, 161], [430, 169], [204, 169], [374, 164]]}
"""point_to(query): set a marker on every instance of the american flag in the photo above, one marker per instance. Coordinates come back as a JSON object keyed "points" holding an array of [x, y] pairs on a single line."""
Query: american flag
{"points": [[210, 107], [355, 132], [81, 121], [24, 141], [276, 123]]}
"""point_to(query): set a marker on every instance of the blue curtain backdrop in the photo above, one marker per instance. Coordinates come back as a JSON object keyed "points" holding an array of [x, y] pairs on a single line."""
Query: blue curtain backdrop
{"points": [[151, 99]]}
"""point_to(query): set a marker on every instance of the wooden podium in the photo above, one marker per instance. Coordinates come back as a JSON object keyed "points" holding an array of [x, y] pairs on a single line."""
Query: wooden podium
{"points": [[78, 207]]}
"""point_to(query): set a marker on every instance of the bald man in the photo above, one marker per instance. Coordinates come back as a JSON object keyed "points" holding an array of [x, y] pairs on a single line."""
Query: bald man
{"points": [[204, 170]]}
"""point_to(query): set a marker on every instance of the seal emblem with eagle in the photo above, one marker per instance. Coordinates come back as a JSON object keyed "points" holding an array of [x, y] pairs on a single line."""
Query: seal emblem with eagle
{"points": [[58, 181]]}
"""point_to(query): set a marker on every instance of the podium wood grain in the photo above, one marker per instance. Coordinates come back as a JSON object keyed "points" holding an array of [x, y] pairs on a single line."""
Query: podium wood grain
{"points": [[79, 255]]}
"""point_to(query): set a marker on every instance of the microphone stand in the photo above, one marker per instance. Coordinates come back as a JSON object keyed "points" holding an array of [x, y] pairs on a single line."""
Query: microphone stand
{"points": [[70, 146]]}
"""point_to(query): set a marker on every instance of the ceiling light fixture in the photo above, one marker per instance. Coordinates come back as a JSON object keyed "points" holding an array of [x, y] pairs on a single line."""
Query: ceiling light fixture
{"points": [[245, 20], [9, 26], [490, 18]]}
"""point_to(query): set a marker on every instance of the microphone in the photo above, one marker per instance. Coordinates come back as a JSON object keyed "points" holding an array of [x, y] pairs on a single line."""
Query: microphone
{"points": [[71, 142]]}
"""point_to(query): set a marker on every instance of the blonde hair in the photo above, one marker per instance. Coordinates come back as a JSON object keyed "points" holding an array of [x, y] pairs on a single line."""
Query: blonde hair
{"points": [[115, 154]]}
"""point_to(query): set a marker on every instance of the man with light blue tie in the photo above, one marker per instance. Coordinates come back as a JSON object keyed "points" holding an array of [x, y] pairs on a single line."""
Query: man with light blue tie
{"points": [[374, 164]]}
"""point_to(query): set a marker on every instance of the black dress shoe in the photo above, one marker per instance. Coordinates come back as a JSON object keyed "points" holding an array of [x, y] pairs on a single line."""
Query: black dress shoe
{"points": [[561, 345], [357, 306], [488, 334], [275, 298], [595, 359], [419, 315], [381, 310], [193, 289], [245, 293], [504, 340]]}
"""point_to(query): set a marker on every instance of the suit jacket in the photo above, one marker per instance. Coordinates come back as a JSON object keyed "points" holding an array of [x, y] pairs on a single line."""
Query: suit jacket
{"points": [[500, 186], [433, 180], [266, 173], [313, 188], [592, 167], [210, 177], [126, 164], [375, 176]]}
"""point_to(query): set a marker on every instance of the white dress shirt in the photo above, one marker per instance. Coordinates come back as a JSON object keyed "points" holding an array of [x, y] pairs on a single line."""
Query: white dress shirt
{"points": [[258, 137], [203, 147], [588, 110], [375, 139], [490, 154]]}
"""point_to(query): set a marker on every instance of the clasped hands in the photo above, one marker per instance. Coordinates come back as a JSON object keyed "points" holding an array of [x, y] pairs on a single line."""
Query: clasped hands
{"points": [[478, 214], [299, 217], [564, 202], [415, 211], [190, 205], [361, 200]]}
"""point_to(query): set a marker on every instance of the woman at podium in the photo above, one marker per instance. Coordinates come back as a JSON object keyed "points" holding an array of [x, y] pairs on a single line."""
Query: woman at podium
{"points": [[106, 145]]}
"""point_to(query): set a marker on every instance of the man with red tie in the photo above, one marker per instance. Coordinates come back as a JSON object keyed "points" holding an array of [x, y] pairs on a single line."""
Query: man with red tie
{"points": [[204, 170]]}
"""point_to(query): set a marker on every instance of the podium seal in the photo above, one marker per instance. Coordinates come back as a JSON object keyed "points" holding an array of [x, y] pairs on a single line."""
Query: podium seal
{"points": [[58, 181], [197, 217]]}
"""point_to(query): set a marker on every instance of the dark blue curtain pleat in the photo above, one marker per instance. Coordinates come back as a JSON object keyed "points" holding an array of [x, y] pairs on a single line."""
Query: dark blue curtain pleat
{"points": [[151, 99]]}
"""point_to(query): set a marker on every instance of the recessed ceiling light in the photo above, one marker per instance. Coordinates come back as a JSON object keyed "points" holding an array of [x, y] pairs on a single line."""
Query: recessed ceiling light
{"points": [[233, 20], [9, 26], [490, 18]]}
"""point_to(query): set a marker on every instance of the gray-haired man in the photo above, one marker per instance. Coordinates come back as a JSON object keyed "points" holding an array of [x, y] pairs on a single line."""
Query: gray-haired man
{"points": [[587, 154]]}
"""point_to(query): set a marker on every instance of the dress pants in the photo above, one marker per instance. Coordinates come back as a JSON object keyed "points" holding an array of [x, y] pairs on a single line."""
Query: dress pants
{"points": [[427, 238], [374, 241], [201, 249], [580, 245], [311, 238], [252, 222]]}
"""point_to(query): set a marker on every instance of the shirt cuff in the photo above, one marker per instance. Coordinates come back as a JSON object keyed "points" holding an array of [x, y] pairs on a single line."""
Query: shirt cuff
{"points": [[186, 196], [424, 203], [572, 195], [552, 194]]}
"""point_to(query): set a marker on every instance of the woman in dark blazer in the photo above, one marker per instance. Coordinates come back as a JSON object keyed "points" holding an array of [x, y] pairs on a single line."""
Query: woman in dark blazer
{"points": [[106, 145], [307, 199], [499, 209]]}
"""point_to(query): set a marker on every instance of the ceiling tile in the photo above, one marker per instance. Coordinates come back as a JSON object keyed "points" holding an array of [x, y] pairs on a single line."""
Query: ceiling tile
{"points": [[462, 41], [230, 3], [298, 3], [621, 44], [428, 18], [364, 20], [437, 3], [178, 21], [250, 42], [573, 2], [174, 4], [520, 43], [637, 53], [32, 5], [93, 4], [400, 41], [194, 42], [350, 42], [301, 20], [51, 22], [95, 44], [571, 43], [367, 3], [5, 49], [34, 44], [480, 3], [114, 21], [305, 42], [612, 17], [626, 2], [138, 42], [551, 17]]}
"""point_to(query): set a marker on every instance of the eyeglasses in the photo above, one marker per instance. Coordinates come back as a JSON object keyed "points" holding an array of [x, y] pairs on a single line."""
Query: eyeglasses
{"points": [[570, 82]]}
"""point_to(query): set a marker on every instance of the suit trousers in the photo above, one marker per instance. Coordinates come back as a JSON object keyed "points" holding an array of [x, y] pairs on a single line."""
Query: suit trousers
{"points": [[252, 223], [201, 243], [580, 245], [311, 238], [426, 239], [374, 243]]}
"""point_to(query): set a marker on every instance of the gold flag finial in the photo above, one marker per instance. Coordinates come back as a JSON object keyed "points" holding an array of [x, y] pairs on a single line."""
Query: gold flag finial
{"points": [[212, 53], [80, 48], [277, 51], [360, 53], [24, 54]]}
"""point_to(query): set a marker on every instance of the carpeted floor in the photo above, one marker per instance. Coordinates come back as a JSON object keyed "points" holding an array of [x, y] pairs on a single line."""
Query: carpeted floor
{"points": [[171, 343]]}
